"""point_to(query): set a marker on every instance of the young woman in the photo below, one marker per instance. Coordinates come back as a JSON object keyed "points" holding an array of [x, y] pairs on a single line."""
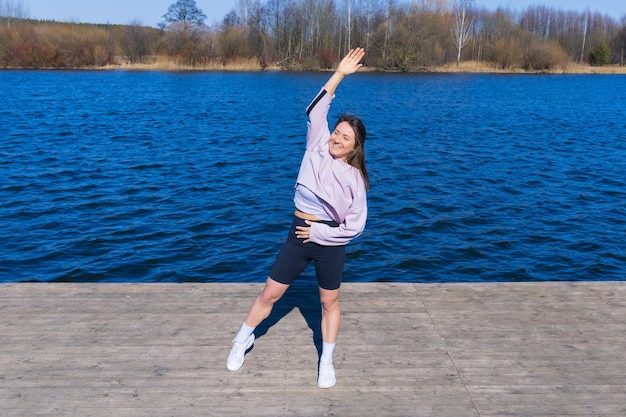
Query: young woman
{"points": [[331, 210]]}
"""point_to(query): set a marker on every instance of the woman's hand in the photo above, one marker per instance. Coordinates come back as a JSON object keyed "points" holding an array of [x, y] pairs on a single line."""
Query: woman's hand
{"points": [[350, 63], [304, 232]]}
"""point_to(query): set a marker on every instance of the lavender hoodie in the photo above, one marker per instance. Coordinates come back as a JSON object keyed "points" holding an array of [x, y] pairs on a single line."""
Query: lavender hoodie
{"points": [[338, 184]]}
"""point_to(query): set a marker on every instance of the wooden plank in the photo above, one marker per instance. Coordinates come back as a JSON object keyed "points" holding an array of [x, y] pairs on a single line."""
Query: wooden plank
{"points": [[457, 350]]}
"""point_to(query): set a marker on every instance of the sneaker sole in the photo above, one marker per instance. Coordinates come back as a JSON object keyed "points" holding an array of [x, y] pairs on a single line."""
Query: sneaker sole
{"points": [[326, 386]]}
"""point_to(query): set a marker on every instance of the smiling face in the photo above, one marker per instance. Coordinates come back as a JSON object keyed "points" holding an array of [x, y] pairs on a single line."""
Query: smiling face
{"points": [[342, 141]]}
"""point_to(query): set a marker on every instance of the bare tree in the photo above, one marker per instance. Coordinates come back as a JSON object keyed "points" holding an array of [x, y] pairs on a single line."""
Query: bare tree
{"points": [[349, 28], [462, 25], [307, 32], [537, 19], [367, 14], [244, 8], [135, 42], [585, 26], [12, 9], [276, 15], [622, 41], [387, 28], [368, 22], [185, 12], [184, 21]]}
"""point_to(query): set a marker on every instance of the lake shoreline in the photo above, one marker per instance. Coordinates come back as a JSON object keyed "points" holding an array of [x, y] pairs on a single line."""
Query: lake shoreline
{"points": [[252, 65], [471, 67]]}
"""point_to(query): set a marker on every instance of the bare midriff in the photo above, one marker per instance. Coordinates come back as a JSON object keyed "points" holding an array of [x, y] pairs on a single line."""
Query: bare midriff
{"points": [[306, 216]]}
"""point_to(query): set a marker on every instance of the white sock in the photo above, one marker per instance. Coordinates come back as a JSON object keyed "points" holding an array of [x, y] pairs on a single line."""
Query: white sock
{"points": [[327, 351], [244, 333]]}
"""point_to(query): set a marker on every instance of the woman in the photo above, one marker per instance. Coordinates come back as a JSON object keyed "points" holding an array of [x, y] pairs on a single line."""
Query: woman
{"points": [[331, 210]]}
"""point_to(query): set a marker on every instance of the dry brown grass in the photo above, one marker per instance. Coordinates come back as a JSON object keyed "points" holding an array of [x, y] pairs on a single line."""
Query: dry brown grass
{"points": [[161, 63], [588, 69], [482, 67], [472, 67]]}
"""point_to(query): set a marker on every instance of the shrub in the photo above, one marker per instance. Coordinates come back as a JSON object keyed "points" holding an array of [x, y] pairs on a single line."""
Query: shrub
{"points": [[326, 58], [600, 55], [544, 56]]}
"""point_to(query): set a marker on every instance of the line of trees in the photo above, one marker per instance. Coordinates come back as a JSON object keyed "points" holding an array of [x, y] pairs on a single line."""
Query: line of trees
{"points": [[310, 34]]}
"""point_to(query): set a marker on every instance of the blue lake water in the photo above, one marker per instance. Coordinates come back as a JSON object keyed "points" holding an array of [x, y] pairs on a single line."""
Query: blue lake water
{"points": [[178, 177]]}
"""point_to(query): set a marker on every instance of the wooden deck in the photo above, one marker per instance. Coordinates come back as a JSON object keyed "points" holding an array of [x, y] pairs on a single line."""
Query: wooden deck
{"points": [[457, 350]]}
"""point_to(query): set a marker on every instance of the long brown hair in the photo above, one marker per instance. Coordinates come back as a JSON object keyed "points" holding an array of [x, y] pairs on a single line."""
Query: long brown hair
{"points": [[357, 157]]}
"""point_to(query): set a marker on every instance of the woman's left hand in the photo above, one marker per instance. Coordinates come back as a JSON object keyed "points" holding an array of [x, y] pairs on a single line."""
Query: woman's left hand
{"points": [[304, 232], [350, 63]]}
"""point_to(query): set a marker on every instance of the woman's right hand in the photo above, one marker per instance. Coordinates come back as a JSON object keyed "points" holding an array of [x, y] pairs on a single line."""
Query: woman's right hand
{"points": [[304, 232]]}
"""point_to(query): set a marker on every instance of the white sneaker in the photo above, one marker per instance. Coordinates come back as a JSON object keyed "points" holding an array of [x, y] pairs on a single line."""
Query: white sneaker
{"points": [[326, 377], [238, 353]]}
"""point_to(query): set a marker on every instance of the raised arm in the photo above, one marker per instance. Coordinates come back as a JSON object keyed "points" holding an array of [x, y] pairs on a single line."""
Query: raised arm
{"points": [[348, 65]]}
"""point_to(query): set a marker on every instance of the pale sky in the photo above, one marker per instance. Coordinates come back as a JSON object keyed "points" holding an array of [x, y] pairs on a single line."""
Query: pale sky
{"points": [[150, 12]]}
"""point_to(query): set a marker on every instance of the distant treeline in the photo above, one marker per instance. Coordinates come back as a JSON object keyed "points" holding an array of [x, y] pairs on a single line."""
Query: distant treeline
{"points": [[311, 34]]}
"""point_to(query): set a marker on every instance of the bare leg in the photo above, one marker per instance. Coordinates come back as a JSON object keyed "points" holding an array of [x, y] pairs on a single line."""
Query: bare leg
{"points": [[264, 303], [331, 317], [331, 314]]}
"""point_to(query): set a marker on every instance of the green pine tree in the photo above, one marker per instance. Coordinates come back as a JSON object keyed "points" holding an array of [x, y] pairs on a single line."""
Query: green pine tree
{"points": [[600, 55]]}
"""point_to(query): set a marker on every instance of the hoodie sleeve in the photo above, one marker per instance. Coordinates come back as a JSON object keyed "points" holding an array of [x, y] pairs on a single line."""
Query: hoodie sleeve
{"points": [[352, 227], [317, 112]]}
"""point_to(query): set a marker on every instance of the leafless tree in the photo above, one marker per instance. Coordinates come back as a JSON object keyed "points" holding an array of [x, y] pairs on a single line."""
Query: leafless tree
{"points": [[12, 9], [244, 9], [585, 26], [135, 42], [185, 13], [388, 4], [349, 24], [462, 25], [622, 41]]}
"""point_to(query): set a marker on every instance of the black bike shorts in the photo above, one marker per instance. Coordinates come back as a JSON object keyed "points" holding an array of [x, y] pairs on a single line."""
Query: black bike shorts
{"points": [[296, 255]]}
